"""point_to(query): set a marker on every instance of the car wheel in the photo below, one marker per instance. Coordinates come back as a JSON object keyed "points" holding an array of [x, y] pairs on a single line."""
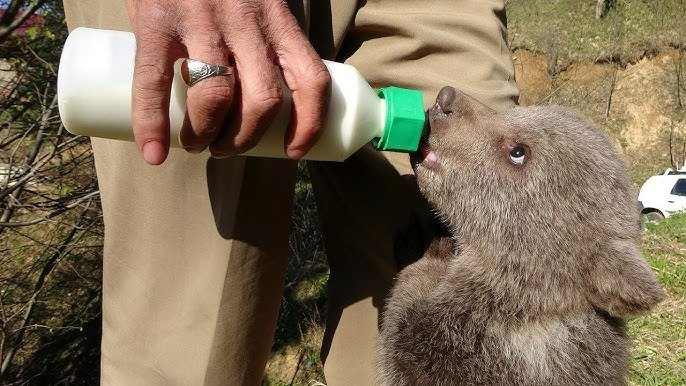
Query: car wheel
{"points": [[652, 217]]}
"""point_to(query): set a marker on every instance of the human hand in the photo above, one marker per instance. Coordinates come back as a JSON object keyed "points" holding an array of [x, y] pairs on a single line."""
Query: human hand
{"points": [[228, 114]]}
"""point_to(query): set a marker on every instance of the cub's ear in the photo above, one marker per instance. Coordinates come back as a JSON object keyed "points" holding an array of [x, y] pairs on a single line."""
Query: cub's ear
{"points": [[621, 281]]}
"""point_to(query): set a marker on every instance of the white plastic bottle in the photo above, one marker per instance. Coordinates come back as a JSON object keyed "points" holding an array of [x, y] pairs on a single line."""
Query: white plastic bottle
{"points": [[94, 96]]}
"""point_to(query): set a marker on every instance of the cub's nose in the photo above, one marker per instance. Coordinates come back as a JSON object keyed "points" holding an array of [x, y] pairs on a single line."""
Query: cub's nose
{"points": [[445, 99]]}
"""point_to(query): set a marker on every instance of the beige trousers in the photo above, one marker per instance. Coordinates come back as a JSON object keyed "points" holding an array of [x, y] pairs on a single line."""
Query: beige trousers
{"points": [[195, 250]]}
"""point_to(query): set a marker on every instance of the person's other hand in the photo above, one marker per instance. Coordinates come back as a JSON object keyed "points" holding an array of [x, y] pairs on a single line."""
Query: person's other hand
{"points": [[228, 114]]}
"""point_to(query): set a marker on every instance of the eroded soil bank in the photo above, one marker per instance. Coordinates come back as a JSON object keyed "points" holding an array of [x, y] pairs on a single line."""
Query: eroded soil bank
{"points": [[639, 103]]}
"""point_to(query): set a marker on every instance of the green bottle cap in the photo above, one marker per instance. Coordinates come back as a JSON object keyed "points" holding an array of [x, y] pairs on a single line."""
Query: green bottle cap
{"points": [[405, 120]]}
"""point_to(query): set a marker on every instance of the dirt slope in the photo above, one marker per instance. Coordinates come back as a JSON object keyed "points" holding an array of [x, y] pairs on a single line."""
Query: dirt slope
{"points": [[637, 103]]}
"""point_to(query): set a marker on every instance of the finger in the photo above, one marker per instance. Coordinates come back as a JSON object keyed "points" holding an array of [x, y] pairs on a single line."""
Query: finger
{"points": [[153, 73], [305, 74], [260, 95], [208, 101]]}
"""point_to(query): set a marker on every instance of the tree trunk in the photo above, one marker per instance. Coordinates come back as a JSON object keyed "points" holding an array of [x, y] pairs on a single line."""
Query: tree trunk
{"points": [[600, 8]]}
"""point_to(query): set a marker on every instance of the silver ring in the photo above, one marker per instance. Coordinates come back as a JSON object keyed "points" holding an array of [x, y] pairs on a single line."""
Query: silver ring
{"points": [[193, 71]]}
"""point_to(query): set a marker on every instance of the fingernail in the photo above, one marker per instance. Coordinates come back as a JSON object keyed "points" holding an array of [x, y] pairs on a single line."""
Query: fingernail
{"points": [[221, 155], [293, 152], [194, 150], [154, 152]]}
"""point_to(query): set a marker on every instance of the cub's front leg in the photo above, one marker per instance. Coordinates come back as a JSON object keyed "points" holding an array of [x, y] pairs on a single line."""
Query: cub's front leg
{"points": [[412, 289]]}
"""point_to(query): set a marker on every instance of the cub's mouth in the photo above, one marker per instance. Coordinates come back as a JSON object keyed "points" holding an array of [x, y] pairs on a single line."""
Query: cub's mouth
{"points": [[425, 155], [436, 118]]}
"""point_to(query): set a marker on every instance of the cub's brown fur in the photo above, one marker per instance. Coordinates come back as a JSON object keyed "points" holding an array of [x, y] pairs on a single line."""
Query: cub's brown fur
{"points": [[545, 262]]}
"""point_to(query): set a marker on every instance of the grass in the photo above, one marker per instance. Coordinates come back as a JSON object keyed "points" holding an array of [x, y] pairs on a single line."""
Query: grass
{"points": [[568, 30], [295, 356], [659, 352]]}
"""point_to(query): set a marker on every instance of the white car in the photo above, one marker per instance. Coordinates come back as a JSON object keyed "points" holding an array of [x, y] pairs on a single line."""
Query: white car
{"points": [[663, 195]]}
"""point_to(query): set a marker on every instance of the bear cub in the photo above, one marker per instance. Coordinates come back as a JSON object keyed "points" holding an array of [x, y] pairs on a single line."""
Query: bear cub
{"points": [[543, 263]]}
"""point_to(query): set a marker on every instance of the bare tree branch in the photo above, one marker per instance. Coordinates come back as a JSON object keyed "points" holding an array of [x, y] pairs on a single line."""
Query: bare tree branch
{"points": [[48, 65], [679, 86], [672, 159], [28, 312], [613, 82], [600, 8], [16, 23], [51, 240], [51, 214], [31, 162], [11, 12]]}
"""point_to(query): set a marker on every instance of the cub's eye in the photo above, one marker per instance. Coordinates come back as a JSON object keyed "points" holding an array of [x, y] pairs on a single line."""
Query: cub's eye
{"points": [[517, 154]]}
